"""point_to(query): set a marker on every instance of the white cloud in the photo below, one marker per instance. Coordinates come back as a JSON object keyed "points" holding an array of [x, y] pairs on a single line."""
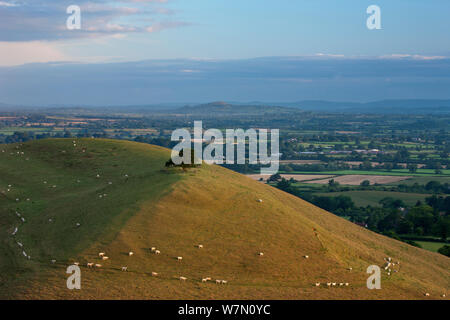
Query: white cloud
{"points": [[17, 53], [8, 4]]}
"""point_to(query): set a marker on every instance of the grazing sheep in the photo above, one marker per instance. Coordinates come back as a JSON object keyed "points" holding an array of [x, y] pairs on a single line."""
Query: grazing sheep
{"points": [[105, 258], [346, 284], [306, 257], [260, 200], [24, 253], [261, 254], [179, 258], [427, 294], [98, 176], [157, 252], [97, 265], [183, 278], [333, 284], [200, 246], [78, 224], [53, 261], [130, 253], [341, 284], [153, 249], [23, 219], [317, 284], [350, 269], [204, 280], [208, 278], [15, 231], [155, 274], [443, 295], [124, 268], [101, 254], [328, 284], [19, 244], [218, 281], [224, 282], [90, 264]]}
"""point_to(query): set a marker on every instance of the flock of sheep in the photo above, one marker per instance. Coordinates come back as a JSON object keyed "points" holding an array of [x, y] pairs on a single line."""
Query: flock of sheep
{"points": [[154, 250]]}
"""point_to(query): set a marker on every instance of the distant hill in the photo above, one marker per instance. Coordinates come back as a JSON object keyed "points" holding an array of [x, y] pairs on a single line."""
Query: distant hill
{"points": [[403, 106], [385, 106], [223, 108], [115, 197]]}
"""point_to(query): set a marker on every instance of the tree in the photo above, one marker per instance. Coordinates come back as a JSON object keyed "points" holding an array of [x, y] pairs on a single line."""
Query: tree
{"points": [[365, 183], [445, 250], [412, 167]]}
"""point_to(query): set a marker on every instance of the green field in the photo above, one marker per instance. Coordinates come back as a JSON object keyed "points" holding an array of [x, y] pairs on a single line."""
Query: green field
{"points": [[372, 198], [421, 180], [399, 172], [431, 246]]}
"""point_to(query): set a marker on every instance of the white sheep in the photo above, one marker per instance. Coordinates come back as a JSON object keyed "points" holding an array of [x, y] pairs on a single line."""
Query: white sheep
{"points": [[124, 268], [101, 254], [153, 249], [90, 264], [105, 258], [306, 257], [200, 246], [261, 254], [155, 274], [179, 258], [427, 294], [53, 261], [183, 278], [98, 265], [204, 280], [218, 281], [157, 252], [328, 284], [317, 284], [346, 284], [130, 253]]}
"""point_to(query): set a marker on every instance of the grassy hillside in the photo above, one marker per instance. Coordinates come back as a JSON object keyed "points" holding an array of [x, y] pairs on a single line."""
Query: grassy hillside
{"points": [[175, 211]]}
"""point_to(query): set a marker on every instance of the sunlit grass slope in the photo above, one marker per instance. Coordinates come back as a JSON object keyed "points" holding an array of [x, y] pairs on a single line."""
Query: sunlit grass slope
{"points": [[174, 211]]}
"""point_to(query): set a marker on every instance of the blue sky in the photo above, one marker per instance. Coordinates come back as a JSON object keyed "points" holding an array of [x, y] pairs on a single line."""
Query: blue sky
{"points": [[205, 34]]}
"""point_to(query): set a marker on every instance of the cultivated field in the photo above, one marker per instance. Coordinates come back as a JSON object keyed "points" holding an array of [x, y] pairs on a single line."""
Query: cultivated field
{"points": [[356, 179], [296, 177]]}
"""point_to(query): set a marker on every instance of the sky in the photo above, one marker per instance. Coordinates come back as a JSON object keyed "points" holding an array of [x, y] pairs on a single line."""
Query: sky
{"points": [[216, 34]]}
